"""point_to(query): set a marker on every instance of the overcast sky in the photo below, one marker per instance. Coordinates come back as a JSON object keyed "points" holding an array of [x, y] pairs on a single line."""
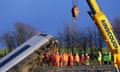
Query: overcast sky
{"points": [[49, 16]]}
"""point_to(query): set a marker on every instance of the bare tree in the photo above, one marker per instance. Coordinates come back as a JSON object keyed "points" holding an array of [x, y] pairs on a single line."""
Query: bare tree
{"points": [[116, 27], [7, 39], [92, 38], [100, 40], [22, 32], [69, 37]]}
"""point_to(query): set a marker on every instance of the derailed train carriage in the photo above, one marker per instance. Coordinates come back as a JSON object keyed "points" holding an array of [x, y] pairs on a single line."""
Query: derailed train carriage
{"points": [[24, 57]]}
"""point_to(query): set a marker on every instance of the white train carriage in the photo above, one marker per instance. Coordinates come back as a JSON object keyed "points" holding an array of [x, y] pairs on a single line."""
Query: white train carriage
{"points": [[23, 51]]}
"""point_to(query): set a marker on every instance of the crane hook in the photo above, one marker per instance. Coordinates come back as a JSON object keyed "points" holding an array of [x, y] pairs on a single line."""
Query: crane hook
{"points": [[75, 11]]}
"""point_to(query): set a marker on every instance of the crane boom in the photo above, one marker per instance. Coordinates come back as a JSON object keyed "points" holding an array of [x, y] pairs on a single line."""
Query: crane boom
{"points": [[105, 27]]}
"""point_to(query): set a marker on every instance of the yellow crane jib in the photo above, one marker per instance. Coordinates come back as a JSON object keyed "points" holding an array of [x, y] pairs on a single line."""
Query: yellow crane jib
{"points": [[105, 27]]}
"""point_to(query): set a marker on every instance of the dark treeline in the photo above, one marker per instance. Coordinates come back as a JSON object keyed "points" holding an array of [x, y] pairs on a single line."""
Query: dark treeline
{"points": [[71, 36]]}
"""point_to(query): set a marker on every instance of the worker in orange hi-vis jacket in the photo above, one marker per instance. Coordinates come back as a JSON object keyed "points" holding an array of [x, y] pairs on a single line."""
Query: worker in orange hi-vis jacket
{"points": [[57, 57], [77, 59], [70, 60], [61, 59], [47, 57], [54, 59], [65, 59]]}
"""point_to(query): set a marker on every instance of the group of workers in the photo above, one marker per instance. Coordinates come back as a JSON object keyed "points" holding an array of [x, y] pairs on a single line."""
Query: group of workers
{"points": [[66, 59]]}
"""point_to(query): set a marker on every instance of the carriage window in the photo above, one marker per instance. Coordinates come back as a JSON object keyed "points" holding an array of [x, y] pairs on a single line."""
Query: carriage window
{"points": [[42, 34], [14, 55]]}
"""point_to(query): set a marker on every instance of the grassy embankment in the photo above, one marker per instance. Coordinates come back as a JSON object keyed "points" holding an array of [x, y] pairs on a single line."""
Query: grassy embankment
{"points": [[3, 52]]}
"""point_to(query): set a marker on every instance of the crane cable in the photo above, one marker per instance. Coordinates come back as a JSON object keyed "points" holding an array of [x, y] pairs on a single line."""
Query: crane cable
{"points": [[74, 2]]}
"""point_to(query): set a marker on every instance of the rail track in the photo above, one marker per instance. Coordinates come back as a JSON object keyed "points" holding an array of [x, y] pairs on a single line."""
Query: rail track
{"points": [[91, 68]]}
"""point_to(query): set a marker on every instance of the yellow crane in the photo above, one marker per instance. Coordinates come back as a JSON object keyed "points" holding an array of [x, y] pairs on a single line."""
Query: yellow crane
{"points": [[105, 27]]}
